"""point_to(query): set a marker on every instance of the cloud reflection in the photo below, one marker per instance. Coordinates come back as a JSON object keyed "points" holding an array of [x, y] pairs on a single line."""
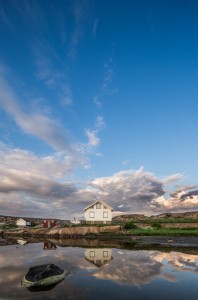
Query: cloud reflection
{"points": [[128, 268]]}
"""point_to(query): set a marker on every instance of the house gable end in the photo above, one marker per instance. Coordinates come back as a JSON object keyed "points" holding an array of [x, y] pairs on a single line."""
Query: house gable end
{"points": [[105, 206]]}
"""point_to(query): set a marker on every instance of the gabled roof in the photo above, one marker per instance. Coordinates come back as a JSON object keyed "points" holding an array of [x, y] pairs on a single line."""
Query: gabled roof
{"points": [[24, 219], [98, 201]]}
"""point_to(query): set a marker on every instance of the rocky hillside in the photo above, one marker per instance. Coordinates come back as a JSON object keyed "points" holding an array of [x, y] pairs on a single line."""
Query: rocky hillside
{"points": [[36, 221], [127, 217], [134, 217], [185, 215]]}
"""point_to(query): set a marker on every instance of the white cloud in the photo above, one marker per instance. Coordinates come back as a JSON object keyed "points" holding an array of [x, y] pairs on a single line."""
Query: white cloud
{"points": [[134, 189], [37, 124], [97, 102], [21, 169], [172, 179], [183, 199], [100, 123], [93, 140], [36, 184], [46, 185]]}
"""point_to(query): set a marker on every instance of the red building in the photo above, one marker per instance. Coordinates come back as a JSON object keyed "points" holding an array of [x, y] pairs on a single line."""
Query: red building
{"points": [[49, 223]]}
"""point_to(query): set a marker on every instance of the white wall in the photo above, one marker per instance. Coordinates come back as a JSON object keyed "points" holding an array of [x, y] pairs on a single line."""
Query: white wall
{"points": [[22, 222], [98, 214]]}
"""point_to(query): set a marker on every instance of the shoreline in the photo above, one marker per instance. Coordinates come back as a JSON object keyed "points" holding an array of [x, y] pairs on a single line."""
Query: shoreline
{"points": [[97, 236], [188, 245]]}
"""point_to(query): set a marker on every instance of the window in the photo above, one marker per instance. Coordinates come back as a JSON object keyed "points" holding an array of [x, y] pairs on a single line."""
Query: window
{"points": [[105, 214], [92, 253], [105, 253], [98, 205], [91, 214]]}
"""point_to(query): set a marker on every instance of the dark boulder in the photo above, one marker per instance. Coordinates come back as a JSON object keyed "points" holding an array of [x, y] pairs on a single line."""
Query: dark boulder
{"points": [[43, 277], [41, 272]]}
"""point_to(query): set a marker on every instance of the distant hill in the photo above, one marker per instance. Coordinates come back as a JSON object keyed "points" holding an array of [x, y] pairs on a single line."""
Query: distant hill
{"points": [[36, 221], [119, 218], [127, 217]]}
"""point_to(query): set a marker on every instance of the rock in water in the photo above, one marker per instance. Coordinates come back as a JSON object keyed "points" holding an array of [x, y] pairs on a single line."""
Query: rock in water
{"points": [[43, 277]]}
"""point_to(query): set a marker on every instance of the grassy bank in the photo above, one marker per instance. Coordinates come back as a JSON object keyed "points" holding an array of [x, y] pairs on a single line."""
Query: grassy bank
{"points": [[162, 232], [4, 227], [166, 220]]}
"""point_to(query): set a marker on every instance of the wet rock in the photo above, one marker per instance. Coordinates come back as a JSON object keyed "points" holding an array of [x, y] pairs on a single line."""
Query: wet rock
{"points": [[43, 277]]}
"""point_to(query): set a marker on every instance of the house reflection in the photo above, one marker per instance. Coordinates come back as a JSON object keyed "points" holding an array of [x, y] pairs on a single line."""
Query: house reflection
{"points": [[49, 246], [98, 256]]}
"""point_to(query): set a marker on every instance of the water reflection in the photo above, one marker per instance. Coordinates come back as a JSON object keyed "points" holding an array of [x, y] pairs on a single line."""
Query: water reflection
{"points": [[99, 256], [21, 242], [137, 274], [49, 246], [137, 268]]}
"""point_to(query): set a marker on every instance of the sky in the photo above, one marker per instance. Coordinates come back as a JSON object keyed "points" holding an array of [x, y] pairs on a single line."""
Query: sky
{"points": [[98, 101]]}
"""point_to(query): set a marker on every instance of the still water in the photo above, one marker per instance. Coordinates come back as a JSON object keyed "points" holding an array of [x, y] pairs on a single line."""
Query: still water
{"points": [[100, 273]]}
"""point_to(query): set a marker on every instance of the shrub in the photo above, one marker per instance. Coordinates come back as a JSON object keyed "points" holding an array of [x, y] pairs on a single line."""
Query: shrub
{"points": [[156, 225], [130, 225]]}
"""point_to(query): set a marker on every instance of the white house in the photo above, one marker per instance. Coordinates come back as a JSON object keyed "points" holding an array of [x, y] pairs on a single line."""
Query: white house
{"points": [[75, 221], [23, 222], [98, 212], [98, 256]]}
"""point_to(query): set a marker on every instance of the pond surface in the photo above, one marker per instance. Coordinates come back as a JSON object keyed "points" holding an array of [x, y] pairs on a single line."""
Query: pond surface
{"points": [[100, 273]]}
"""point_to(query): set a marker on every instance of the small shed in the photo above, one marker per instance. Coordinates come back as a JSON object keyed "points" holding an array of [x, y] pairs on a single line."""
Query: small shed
{"points": [[49, 223], [23, 222]]}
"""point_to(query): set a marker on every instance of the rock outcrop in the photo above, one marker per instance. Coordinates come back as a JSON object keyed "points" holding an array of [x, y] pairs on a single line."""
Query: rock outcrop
{"points": [[67, 231], [128, 217]]}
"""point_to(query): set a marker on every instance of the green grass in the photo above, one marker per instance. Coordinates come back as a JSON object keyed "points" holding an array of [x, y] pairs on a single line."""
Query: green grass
{"points": [[8, 226], [164, 231], [166, 220]]}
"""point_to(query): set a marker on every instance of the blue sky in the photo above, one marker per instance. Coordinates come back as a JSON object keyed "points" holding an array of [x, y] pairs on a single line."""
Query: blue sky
{"points": [[98, 100]]}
